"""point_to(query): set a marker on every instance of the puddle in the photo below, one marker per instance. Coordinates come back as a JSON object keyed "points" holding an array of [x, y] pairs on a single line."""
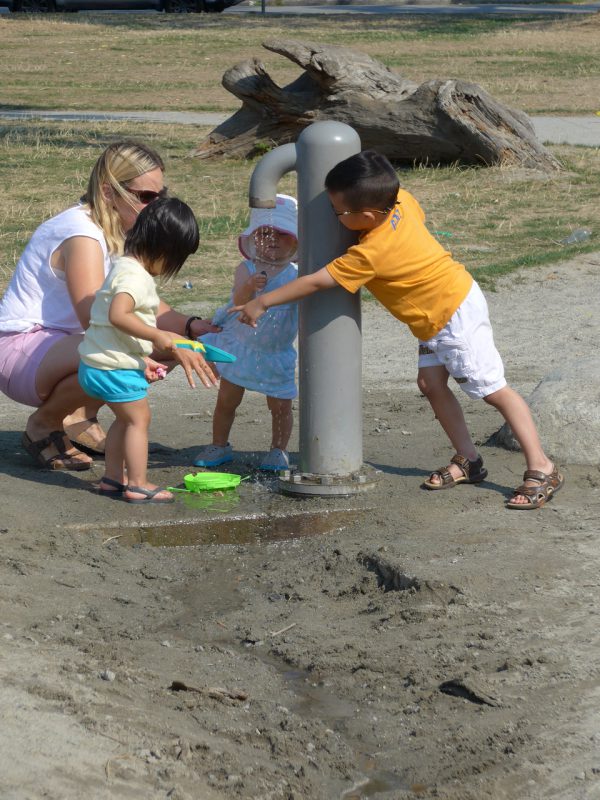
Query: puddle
{"points": [[255, 529], [375, 782], [315, 701]]}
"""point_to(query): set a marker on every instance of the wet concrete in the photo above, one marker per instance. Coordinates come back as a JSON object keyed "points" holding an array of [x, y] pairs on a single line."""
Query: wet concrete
{"points": [[256, 529]]}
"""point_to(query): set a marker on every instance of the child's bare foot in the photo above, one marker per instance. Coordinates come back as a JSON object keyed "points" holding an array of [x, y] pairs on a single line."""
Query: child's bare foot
{"points": [[143, 495]]}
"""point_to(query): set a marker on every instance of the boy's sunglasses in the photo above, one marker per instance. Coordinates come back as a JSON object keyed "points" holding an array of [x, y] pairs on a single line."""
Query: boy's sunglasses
{"points": [[373, 210], [146, 196]]}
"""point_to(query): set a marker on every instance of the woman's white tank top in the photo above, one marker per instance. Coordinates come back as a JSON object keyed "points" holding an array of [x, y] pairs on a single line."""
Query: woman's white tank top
{"points": [[36, 294]]}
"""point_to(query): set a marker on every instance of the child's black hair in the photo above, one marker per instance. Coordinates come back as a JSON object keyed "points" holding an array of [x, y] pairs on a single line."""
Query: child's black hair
{"points": [[165, 229], [366, 180]]}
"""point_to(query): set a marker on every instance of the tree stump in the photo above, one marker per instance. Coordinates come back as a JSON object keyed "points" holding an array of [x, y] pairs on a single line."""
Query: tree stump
{"points": [[440, 121]]}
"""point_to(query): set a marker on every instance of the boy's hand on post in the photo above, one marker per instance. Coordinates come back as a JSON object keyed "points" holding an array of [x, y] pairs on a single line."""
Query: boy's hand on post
{"points": [[250, 313]]}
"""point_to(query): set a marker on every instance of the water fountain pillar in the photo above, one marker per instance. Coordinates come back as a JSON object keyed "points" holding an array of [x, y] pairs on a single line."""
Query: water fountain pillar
{"points": [[329, 337]]}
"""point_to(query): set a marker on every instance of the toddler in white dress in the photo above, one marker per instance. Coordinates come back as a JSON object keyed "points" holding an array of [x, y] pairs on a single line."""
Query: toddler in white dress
{"points": [[266, 357]]}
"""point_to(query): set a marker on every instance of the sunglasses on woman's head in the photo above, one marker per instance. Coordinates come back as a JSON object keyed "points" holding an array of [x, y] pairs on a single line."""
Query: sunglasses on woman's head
{"points": [[146, 196]]}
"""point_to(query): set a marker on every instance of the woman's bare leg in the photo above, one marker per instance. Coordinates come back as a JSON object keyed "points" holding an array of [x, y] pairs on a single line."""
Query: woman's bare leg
{"points": [[61, 361], [66, 395]]}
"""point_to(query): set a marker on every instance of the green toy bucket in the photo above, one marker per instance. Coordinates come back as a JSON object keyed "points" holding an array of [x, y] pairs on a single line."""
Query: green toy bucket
{"points": [[211, 481]]}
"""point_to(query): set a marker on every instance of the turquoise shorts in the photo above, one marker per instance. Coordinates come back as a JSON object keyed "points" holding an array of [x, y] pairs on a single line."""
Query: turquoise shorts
{"points": [[113, 385]]}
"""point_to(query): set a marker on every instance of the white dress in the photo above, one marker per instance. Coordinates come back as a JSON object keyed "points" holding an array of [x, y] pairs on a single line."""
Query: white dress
{"points": [[266, 357]]}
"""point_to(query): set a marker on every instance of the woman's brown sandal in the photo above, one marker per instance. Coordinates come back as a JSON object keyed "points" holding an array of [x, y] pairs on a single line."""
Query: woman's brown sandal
{"points": [[65, 456], [472, 472], [548, 484], [78, 433]]}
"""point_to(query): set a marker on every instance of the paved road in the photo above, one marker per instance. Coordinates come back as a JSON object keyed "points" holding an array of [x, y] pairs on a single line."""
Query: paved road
{"points": [[488, 9], [180, 117], [554, 130], [568, 130]]}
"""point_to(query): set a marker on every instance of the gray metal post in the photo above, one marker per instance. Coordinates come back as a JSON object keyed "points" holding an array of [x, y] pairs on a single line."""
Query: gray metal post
{"points": [[330, 324], [330, 347]]}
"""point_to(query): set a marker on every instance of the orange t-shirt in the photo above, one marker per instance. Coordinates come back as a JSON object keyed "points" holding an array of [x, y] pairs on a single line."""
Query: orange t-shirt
{"points": [[406, 269]]}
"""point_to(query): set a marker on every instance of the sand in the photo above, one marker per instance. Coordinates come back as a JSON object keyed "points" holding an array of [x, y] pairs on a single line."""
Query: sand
{"points": [[397, 644]]}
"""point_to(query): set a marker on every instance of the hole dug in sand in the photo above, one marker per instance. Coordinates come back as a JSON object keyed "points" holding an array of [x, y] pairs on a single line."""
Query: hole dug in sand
{"points": [[419, 599]]}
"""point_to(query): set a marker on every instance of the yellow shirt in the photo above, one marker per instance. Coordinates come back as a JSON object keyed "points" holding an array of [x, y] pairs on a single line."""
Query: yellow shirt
{"points": [[406, 269], [106, 347]]}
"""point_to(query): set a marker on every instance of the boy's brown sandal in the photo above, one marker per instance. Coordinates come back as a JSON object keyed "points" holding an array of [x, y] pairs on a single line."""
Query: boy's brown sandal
{"points": [[472, 472], [538, 495]]}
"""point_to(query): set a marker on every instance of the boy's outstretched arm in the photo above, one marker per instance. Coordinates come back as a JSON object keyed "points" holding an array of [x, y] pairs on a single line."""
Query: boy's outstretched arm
{"points": [[295, 290]]}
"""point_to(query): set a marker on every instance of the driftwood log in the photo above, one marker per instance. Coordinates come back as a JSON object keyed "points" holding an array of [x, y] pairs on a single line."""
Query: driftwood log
{"points": [[440, 121]]}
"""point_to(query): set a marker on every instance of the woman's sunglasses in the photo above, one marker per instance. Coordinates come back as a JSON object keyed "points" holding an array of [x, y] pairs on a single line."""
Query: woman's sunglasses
{"points": [[146, 196]]}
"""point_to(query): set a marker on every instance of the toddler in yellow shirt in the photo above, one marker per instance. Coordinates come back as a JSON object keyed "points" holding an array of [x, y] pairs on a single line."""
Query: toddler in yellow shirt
{"points": [[419, 282], [116, 364]]}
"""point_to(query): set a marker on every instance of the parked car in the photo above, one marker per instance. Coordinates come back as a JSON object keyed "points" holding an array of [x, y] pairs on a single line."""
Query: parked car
{"points": [[170, 6]]}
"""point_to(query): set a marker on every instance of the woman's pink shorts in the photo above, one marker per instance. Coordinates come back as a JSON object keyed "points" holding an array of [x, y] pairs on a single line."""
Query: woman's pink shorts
{"points": [[20, 357]]}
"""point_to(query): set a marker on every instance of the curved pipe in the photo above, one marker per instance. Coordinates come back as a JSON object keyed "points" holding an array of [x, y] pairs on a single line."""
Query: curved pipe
{"points": [[267, 173]]}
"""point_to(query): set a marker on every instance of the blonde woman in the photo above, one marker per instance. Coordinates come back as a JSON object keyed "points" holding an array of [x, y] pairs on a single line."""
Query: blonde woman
{"points": [[46, 306]]}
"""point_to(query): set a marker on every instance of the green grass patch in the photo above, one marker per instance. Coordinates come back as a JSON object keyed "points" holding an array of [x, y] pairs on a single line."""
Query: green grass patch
{"points": [[176, 62], [494, 220]]}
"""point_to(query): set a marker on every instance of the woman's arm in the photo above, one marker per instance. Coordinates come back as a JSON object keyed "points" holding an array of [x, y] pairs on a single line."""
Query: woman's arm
{"points": [[167, 319], [82, 261]]}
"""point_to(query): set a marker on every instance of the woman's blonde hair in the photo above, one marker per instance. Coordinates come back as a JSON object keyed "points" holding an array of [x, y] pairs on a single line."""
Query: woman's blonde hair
{"points": [[119, 163]]}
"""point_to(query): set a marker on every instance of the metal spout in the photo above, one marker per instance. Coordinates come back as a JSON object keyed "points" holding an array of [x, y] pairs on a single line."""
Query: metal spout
{"points": [[267, 174]]}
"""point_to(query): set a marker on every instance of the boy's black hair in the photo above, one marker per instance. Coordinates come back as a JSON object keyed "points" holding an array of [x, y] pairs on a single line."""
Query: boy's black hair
{"points": [[165, 229], [366, 180]]}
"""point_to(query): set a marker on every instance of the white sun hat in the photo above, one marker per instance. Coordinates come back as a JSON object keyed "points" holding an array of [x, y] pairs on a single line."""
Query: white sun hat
{"points": [[284, 218]]}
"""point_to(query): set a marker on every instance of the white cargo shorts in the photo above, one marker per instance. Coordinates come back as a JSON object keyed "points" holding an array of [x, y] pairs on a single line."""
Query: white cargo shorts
{"points": [[465, 347]]}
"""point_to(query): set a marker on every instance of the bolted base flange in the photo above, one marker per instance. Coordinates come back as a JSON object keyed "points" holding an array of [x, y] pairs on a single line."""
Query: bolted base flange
{"points": [[307, 483]]}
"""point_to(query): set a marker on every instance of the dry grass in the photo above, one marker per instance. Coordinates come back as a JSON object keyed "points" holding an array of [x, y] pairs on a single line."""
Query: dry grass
{"points": [[493, 220], [171, 62]]}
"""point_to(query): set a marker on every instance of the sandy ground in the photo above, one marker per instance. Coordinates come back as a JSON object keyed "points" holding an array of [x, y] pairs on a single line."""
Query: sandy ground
{"points": [[398, 644]]}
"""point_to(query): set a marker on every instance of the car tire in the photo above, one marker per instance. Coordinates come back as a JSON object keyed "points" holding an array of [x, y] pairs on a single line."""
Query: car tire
{"points": [[181, 6], [34, 6], [213, 6]]}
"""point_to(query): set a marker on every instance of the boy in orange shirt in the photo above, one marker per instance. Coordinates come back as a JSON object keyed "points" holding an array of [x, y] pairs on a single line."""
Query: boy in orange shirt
{"points": [[418, 281]]}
